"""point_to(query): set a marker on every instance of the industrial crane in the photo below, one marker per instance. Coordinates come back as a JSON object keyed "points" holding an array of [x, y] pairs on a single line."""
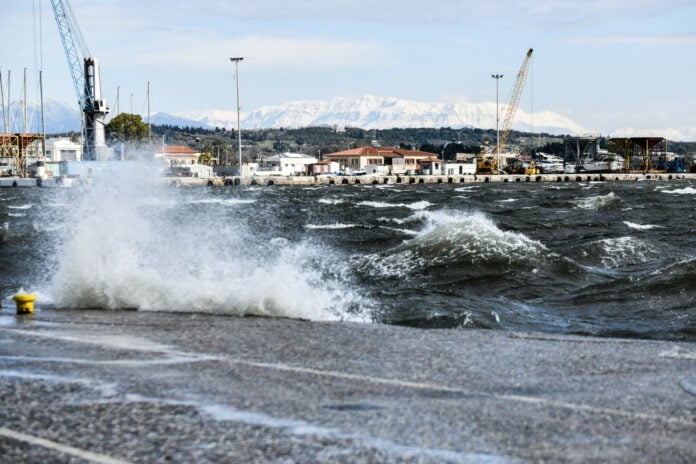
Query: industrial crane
{"points": [[86, 80], [488, 164], [515, 99]]}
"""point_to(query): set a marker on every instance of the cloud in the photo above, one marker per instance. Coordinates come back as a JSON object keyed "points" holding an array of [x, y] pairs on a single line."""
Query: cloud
{"points": [[674, 134], [385, 11], [260, 52], [679, 40]]}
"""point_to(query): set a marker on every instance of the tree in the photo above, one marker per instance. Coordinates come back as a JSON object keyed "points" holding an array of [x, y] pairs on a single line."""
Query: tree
{"points": [[128, 128]]}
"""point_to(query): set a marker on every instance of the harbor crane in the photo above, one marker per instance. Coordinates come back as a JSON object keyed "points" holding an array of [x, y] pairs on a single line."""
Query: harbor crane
{"points": [[488, 164], [515, 99], [84, 69]]}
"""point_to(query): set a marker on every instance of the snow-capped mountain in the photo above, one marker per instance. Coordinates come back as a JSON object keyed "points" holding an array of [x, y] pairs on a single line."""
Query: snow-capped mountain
{"points": [[58, 116], [366, 112], [370, 112]]}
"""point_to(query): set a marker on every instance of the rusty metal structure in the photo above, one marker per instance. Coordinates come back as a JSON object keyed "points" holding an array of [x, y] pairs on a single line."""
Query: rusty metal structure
{"points": [[641, 154], [16, 149]]}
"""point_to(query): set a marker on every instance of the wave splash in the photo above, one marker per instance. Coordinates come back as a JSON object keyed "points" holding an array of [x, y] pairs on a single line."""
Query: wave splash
{"points": [[452, 238], [129, 243]]}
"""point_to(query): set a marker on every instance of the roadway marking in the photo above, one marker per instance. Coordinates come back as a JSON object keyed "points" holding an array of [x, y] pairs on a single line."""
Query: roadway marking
{"points": [[71, 450], [548, 402]]}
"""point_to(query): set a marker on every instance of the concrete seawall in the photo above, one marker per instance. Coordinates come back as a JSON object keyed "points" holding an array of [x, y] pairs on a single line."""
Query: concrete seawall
{"points": [[398, 179], [360, 180]]}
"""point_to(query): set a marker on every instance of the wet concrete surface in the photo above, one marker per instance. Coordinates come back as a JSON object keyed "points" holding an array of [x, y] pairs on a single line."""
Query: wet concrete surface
{"points": [[114, 387]]}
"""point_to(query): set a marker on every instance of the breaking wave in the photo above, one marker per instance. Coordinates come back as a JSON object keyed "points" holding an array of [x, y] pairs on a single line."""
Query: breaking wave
{"points": [[418, 205], [452, 238], [600, 202], [130, 244], [682, 191]]}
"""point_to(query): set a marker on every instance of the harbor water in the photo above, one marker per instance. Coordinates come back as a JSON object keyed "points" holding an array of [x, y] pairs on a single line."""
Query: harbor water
{"points": [[608, 259]]}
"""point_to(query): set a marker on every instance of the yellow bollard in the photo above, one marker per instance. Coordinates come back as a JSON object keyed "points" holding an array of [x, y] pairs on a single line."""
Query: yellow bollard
{"points": [[25, 303]]}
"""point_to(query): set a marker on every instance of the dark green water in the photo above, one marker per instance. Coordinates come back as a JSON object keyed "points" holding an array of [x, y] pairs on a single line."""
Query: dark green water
{"points": [[606, 259]]}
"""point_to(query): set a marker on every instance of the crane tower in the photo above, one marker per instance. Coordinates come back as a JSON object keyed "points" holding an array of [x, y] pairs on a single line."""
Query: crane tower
{"points": [[86, 80], [515, 99]]}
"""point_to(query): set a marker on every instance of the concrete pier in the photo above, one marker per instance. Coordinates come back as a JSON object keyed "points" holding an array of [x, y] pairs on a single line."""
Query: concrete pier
{"points": [[357, 180], [413, 179], [131, 386]]}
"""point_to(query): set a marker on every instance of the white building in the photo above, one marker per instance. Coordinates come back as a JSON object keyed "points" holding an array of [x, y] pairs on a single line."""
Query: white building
{"points": [[62, 149], [289, 164]]}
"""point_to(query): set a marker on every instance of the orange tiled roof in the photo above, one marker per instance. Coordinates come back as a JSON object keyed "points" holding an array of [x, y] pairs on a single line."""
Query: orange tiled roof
{"points": [[176, 150], [386, 152]]}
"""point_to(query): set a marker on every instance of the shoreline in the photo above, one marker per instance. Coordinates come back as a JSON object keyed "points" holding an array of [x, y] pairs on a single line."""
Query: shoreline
{"points": [[425, 179], [228, 181]]}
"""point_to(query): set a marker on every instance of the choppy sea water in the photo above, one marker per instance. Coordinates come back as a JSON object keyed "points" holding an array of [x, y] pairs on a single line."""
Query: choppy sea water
{"points": [[605, 259]]}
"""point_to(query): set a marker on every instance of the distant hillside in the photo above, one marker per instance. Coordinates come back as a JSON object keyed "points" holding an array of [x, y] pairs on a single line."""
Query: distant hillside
{"points": [[371, 112]]}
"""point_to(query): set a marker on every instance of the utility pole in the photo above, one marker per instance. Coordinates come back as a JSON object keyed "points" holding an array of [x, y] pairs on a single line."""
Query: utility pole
{"points": [[497, 78], [236, 61], [149, 126]]}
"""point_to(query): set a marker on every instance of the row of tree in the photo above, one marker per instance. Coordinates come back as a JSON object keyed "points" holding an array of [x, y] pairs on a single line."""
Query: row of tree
{"points": [[221, 144]]}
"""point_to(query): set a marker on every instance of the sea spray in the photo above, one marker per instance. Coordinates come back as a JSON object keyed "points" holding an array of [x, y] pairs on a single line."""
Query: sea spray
{"points": [[131, 242]]}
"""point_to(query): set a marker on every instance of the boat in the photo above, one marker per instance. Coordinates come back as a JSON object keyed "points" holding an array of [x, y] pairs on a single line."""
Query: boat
{"points": [[549, 164]]}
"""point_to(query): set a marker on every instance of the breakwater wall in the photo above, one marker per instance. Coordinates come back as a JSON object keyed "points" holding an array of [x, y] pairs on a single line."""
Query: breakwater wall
{"points": [[410, 180], [361, 180]]}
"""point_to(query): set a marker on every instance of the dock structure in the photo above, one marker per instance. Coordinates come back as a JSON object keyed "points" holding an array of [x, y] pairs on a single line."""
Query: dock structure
{"points": [[324, 180], [641, 153], [14, 151], [411, 180]]}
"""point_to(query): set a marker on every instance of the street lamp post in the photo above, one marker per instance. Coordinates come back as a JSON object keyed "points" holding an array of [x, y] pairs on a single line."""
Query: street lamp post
{"points": [[497, 78], [236, 61]]}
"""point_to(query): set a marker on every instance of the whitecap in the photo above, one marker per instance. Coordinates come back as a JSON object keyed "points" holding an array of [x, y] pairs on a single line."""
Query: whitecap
{"points": [[683, 191], [224, 201], [598, 202], [330, 226], [26, 206], [331, 201], [633, 225]]}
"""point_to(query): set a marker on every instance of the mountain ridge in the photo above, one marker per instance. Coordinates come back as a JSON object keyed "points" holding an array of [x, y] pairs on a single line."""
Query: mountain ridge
{"points": [[371, 112]]}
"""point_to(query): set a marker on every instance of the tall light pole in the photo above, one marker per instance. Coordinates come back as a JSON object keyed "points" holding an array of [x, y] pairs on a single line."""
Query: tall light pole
{"points": [[236, 61], [497, 78]]}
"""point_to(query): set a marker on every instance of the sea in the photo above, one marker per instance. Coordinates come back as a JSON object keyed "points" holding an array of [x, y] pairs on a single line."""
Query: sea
{"points": [[605, 259]]}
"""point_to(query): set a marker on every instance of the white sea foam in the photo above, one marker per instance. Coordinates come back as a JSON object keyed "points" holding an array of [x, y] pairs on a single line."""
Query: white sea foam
{"points": [[683, 191], [120, 251], [598, 202], [379, 204], [330, 226], [26, 206], [224, 201], [330, 201], [417, 206], [449, 236], [633, 225], [622, 250]]}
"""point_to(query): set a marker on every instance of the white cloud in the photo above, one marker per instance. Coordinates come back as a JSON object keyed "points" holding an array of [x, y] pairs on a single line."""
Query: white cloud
{"points": [[387, 11], [676, 133], [685, 40], [260, 52]]}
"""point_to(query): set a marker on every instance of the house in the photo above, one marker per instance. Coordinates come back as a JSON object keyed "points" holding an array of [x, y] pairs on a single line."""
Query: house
{"points": [[182, 161], [288, 164], [396, 160], [431, 166], [177, 155], [63, 149], [323, 167]]}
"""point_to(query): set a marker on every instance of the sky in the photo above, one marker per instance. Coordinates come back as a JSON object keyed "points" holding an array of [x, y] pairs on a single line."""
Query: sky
{"points": [[616, 67]]}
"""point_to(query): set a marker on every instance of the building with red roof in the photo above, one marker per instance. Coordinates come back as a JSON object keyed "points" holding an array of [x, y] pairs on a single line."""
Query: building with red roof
{"points": [[394, 160]]}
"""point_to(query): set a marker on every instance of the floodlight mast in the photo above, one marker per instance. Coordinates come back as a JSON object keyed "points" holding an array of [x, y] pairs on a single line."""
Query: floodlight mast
{"points": [[236, 61]]}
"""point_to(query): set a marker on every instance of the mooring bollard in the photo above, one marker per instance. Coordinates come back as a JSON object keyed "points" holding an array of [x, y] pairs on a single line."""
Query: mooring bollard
{"points": [[25, 303]]}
